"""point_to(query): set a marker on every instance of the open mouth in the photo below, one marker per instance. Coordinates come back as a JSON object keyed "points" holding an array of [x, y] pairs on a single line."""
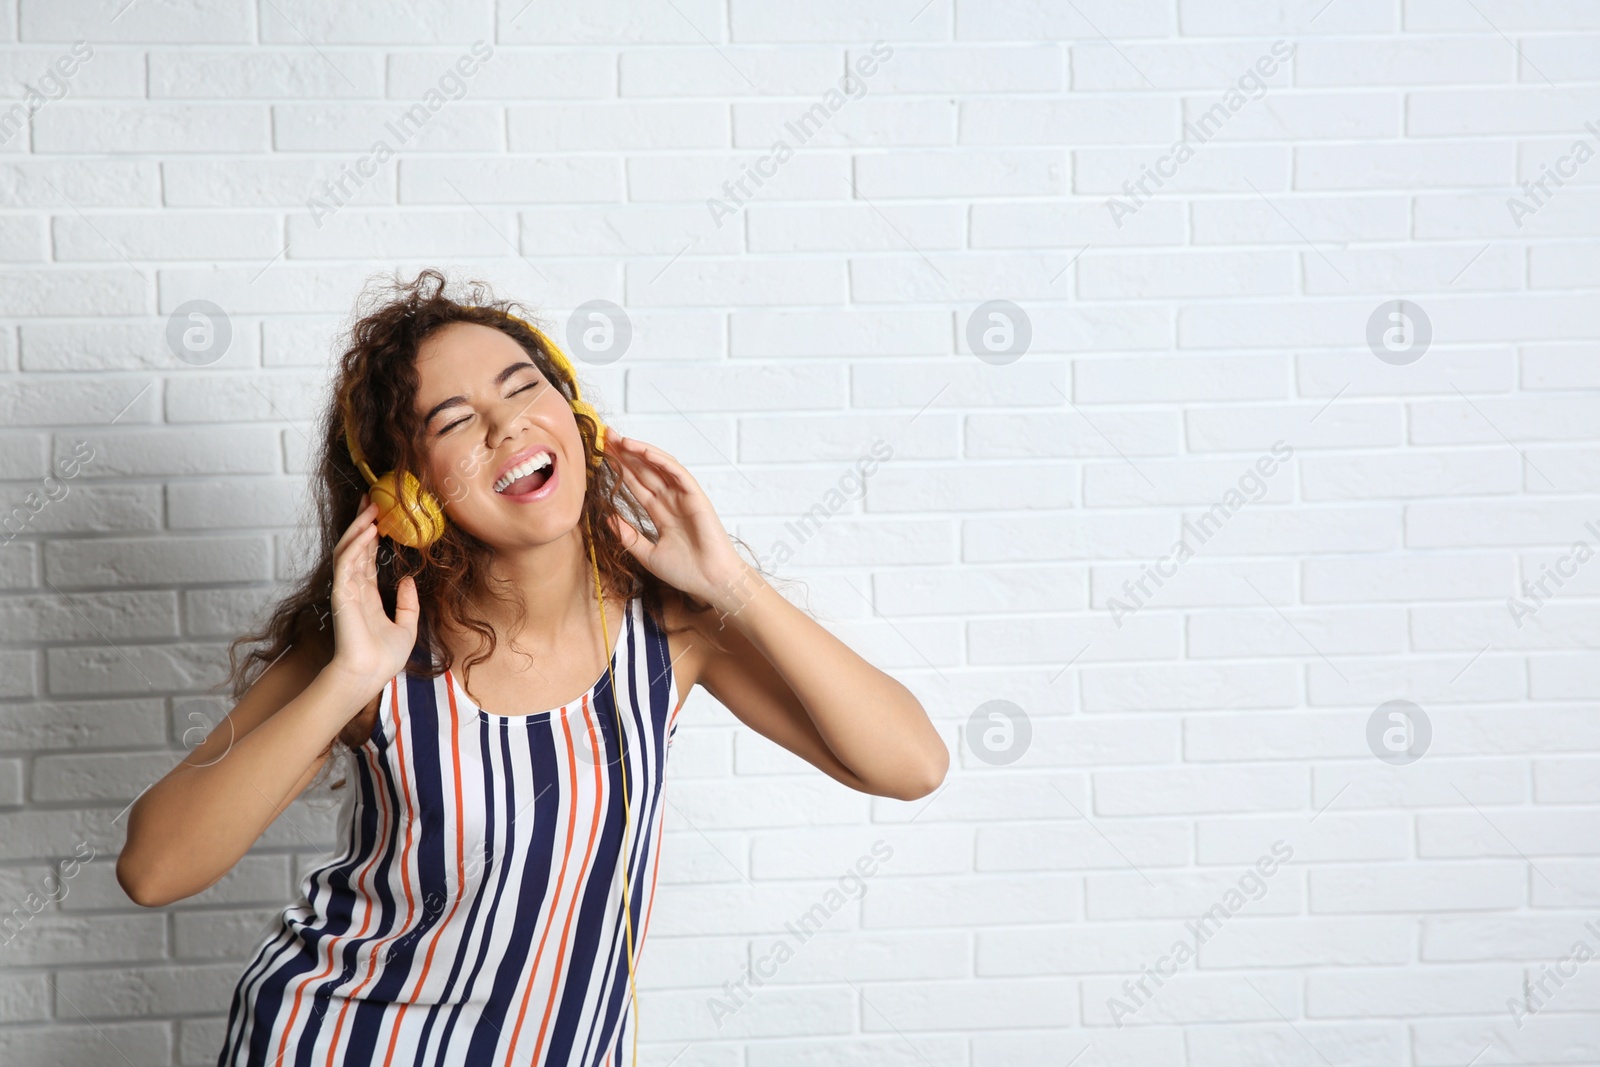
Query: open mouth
{"points": [[528, 477]]}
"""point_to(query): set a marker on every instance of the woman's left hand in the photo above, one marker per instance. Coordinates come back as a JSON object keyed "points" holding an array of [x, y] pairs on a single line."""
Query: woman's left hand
{"points": [[693, 552]]}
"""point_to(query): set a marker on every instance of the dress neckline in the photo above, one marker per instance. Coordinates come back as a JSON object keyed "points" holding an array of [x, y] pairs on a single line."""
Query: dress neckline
{"points": [[581, 698]]}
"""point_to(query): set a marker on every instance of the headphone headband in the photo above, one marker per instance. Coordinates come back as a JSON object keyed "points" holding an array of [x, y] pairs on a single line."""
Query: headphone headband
{"points": [[353, 443]]}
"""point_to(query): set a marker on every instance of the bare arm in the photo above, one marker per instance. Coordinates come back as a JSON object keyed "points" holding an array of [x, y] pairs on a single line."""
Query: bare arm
{"points": [[782, 674], [188, 830], [786, 677]]}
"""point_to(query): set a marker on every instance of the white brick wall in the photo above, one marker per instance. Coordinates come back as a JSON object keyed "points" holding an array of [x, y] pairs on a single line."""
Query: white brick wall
{"points": [[1028, 906]]}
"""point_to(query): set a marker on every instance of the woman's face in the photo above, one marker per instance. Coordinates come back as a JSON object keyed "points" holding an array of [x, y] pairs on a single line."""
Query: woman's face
{"points": [[500, 442]]}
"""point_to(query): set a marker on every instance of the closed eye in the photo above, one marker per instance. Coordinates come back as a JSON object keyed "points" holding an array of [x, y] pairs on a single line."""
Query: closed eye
{"points": [[466, 418]]}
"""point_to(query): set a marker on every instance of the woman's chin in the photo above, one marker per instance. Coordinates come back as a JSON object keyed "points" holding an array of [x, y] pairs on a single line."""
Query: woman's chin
{"points": [[515, 527]]}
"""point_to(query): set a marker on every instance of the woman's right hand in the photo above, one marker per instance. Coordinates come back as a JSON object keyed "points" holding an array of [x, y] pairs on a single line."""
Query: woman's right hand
{"points": [[368, 647]]}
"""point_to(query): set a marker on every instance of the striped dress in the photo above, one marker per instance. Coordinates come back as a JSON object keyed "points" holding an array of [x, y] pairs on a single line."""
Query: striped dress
{"points": [[474, 912]]}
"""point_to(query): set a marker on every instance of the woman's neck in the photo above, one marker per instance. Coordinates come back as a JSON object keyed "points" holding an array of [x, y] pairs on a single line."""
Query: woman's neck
{"points": [[553, 583]]}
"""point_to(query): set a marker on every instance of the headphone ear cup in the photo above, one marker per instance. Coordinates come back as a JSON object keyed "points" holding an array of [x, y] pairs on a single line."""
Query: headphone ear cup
{"points": [[406, 513]]}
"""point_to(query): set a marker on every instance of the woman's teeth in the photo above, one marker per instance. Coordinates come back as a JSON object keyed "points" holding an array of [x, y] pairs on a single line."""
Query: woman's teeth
{"points": [[528, 466]]}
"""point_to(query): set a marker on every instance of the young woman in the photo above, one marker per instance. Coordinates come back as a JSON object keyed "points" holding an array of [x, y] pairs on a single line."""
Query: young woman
{"points": [[475, 913]]}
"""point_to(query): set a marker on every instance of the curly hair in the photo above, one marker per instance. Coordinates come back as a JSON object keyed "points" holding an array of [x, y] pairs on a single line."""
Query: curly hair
{"points": [[377, 376]]}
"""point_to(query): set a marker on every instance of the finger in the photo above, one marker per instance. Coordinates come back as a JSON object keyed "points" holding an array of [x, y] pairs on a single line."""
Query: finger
{"points": [[346, 578], [369, 558], [350, 548], [665, 504], [659, 471], [655, 457], [632, 540], [637, 470], [364, 507], [406, 611], [367, 514], [345, 539], [350, 554], [643, 493]]}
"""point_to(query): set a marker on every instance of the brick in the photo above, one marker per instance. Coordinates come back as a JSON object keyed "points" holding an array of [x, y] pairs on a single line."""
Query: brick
{"points": [[420, 26], [160, 128], [231, 75], [792, 71], [1167, 791], [156, 561], [1438, 887]]}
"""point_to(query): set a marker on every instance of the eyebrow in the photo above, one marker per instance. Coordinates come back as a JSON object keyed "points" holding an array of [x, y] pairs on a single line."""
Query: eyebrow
{"points": [[499, 379]]}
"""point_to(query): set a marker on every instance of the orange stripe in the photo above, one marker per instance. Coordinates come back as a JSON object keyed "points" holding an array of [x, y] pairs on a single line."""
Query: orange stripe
{"points": [[333, 941], [371, 894], [588, 852], [405, 875], [461, 874], [649, 906]]}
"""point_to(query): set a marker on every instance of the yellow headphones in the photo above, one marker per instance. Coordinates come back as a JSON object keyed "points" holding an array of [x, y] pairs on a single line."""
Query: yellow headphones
{"points": [[413, 517]]}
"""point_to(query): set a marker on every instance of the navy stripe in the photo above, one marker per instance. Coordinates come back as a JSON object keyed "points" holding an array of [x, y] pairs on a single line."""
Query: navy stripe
{"points": [[484, 931], [614, 990], [502, 875]]}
